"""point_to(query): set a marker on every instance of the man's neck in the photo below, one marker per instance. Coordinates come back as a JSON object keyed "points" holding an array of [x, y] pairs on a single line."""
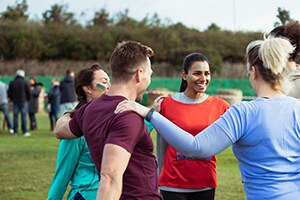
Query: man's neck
{"points": [[125, 90]]}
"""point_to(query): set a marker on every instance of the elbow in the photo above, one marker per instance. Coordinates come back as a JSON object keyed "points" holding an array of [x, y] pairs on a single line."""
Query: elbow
{"points": [[57, 134]]}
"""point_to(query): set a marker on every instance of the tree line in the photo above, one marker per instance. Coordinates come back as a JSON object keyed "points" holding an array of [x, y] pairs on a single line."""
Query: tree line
{"points": [[59, 36]]}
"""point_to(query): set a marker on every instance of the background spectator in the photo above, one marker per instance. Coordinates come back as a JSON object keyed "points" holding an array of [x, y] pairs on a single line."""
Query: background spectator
{"points": [[68, 98], [53, 102], [35, 90], [19, 93]]}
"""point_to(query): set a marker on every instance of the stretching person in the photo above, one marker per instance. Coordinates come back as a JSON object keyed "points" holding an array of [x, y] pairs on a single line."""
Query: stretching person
{"points": [[264, 132], [74, 164], [185, 178]]}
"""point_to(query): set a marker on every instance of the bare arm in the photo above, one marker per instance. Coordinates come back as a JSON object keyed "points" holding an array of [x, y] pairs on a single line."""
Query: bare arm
{"points": [[114, 163], [62, 129]]}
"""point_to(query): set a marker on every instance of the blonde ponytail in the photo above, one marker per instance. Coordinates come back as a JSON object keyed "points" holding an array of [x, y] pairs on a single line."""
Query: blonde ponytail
{"points": [[275, 52]]}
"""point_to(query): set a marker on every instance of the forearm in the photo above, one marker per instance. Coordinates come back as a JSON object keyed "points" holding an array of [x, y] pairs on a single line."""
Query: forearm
{"points": [[209, 142], [114, 163], [62, 129], [109, 188]]}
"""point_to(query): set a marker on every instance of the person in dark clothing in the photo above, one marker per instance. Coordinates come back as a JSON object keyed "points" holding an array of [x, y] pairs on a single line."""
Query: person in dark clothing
{"points": [[19, 94], [35, 89], [68, 98], [53, 102]]}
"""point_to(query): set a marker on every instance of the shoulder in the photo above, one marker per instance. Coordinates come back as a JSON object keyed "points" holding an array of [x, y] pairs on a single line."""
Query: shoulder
{"points": [[129, 116], [218, 102]]}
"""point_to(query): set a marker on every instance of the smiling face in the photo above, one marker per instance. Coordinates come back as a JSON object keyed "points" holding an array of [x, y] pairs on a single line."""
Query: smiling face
{"points": [[198, 79], [100, 84]]}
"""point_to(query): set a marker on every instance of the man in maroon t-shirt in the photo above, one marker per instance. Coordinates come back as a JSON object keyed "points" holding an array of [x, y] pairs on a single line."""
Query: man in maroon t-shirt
{"points": [[120, 144]]}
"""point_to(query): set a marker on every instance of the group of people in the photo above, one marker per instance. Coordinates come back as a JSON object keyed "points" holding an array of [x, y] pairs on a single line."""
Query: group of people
{"points": [[24, 97], [112, 143], [61, 97]]}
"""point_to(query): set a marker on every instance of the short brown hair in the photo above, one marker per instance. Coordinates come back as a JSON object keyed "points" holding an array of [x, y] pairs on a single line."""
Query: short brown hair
{"points": [[292, 32], [126, 58]]}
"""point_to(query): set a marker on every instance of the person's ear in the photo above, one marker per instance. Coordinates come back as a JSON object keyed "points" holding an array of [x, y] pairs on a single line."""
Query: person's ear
{"points": [[138, 75], [86, 89], [254, 71], [183, 75]]}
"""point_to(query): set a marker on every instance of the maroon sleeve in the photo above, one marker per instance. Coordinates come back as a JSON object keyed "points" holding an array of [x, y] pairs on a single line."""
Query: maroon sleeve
{"points": [[128, 128], [75, 123]]}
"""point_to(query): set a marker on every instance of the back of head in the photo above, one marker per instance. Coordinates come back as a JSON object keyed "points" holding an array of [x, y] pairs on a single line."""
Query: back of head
{"points": [[70, 73], [187, 64], [55, 81], [270, 56], [126, 58], [291, 31], [20, 72]]}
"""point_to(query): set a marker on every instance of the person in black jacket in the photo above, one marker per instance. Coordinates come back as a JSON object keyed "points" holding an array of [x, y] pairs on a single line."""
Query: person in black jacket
{"points": [[53, 102], [35, 89], [19, 94], [68, 98]]}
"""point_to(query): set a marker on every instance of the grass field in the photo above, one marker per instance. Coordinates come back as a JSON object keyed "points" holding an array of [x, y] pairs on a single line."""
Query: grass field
{"points": [[27, 166]]}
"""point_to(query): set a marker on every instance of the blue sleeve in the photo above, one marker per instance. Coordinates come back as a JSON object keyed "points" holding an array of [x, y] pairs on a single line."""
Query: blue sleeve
{"points": [[209, 142], [161, 148], [67, 159]]}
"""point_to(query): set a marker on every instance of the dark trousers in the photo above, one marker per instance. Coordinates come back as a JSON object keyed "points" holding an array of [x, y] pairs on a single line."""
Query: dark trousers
{"points": [[23, 109], [32, 119], [204, 195]]}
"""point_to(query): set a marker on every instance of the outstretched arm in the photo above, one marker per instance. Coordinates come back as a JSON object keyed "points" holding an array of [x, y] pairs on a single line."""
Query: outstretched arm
{"points": [[62, 129], [209, 142]]}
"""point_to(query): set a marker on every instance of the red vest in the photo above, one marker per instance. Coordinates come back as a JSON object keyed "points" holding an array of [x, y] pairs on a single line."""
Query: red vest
{"points": [[182, 172]]}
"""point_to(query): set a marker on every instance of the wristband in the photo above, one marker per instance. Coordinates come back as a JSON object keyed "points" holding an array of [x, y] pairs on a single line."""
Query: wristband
{"points": [[149, 114]]}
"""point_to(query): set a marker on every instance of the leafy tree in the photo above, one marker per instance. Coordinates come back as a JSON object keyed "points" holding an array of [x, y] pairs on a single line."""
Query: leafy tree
{"points": [[151, 21], [19, 40], [213, 27], [59, 14], [123, 19], [283, 16], [101, 18], [17, 12]]}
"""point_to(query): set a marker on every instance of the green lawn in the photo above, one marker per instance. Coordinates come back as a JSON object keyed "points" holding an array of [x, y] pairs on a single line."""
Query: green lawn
{"points": [[27, 166]]}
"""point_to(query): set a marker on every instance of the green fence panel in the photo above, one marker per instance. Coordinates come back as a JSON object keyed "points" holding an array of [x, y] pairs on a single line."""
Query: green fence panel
{"points": [[172, 84]]}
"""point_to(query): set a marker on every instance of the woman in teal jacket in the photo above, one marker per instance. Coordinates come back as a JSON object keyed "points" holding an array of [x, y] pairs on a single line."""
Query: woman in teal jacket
{"points": [[74, 164]]}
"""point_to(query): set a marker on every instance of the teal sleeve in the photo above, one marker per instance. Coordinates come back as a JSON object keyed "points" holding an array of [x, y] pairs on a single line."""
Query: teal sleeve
{"points": [[149, 125], [67, 159]]}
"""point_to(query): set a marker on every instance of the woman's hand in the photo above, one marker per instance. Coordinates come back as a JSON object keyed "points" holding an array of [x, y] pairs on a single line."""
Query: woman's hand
{"points": [[157, 102], [132, 106]]}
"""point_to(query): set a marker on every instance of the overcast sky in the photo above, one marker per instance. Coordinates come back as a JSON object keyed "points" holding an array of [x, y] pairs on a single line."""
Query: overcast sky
{"points": [[245, 15]]}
